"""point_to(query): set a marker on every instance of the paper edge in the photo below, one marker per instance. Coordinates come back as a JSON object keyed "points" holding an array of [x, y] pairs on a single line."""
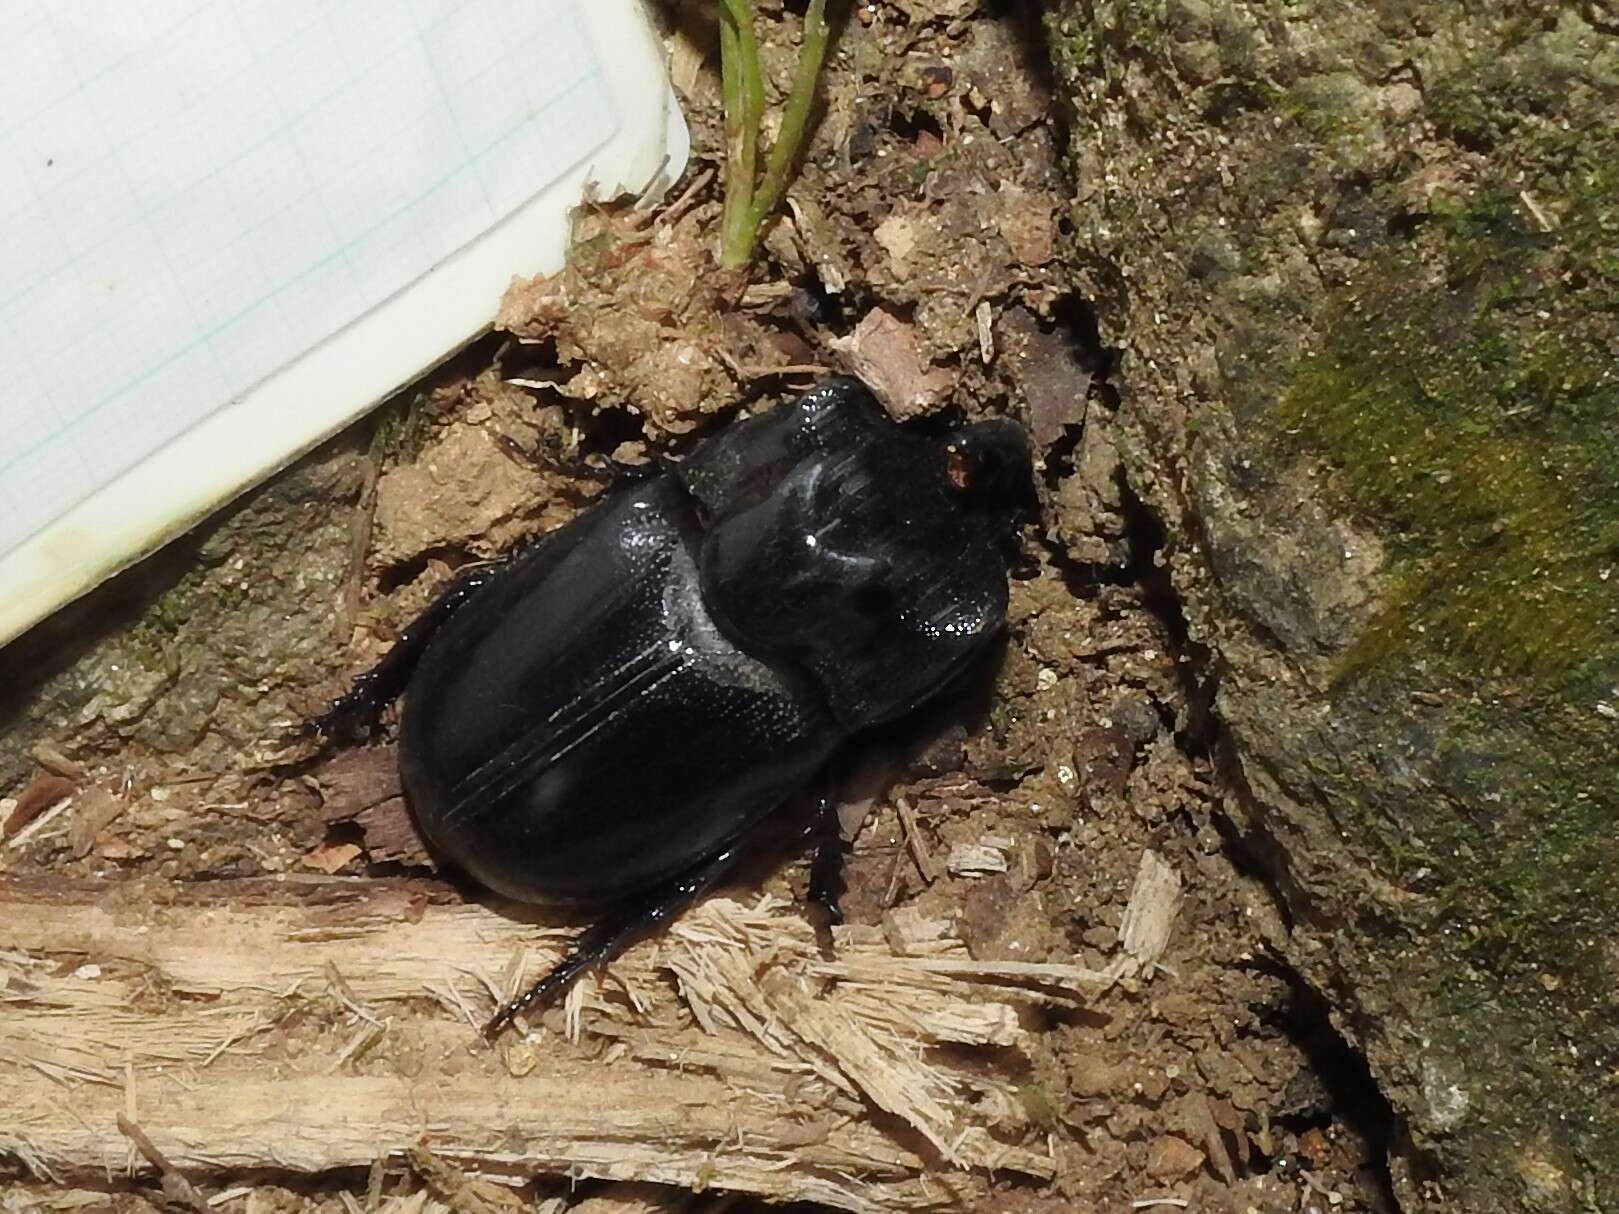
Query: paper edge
{"points": [[116, 527]]}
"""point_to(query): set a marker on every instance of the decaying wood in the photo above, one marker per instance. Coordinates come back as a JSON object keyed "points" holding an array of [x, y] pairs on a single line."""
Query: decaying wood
{"points": [[313, 1029], [176, 1187]]}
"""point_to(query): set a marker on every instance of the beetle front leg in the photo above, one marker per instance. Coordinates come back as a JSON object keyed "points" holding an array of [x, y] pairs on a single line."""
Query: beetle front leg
{"points": [[362, 705]]}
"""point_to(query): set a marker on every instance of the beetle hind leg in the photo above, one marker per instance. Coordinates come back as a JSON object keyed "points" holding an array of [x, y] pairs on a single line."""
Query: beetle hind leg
{"points": [[610, 936], [826, 885]]}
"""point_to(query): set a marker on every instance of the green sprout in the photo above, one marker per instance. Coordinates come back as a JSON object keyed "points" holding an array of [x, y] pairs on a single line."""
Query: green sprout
{"points": [[751, 196]]}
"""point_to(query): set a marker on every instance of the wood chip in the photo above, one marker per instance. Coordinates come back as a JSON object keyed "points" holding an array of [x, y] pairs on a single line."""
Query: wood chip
{"points": [[358, 779], [51, 759], [1171, 1158], [94, 810], [685, 63], [978, 859], [885, 351], [330, 859], [176, 1187], [1047, 369], [914, 843], [43, 792], [463, 1193], [390, 834], [362, 786], [897, 235], [1155, 900]]}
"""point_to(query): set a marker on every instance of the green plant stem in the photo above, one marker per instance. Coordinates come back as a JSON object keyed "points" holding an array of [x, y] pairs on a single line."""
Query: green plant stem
{"points": [[794, 119], [751, 197], [747, 94], [738, 189]]}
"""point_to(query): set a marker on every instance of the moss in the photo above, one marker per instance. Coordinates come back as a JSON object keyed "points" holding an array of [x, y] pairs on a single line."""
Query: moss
{"points": [[1325, 107], [1141, 25], [1117, 32], [1475, 418], [1466, 395], [401, 428], [1493, 96], [1462, 308]]}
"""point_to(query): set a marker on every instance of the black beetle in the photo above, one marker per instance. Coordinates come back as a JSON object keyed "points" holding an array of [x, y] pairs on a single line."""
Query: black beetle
{"points": [[609, 715]]}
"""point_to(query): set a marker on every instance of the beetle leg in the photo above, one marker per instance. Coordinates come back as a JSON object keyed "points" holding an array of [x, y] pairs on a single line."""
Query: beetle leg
{"points": [[610, 472], [385, 682], [826, 867], [610, 936]]}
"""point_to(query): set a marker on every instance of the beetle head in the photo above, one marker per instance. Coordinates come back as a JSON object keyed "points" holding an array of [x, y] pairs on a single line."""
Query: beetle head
{"points": [[990, 462]]}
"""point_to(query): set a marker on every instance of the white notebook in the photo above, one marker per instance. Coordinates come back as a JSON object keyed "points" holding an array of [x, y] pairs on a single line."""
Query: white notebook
{"points": [[232, 226]]}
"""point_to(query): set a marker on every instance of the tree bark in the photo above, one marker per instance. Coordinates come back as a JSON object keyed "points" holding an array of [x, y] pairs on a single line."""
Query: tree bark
{"points": [[1359, 262]]}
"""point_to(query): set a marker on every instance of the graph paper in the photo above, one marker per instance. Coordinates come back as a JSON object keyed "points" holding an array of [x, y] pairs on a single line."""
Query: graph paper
{"points": [[232, 225]]}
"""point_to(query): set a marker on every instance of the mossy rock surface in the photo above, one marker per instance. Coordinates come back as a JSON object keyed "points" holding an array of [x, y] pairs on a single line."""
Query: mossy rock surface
{"points": [[1363, 260]]}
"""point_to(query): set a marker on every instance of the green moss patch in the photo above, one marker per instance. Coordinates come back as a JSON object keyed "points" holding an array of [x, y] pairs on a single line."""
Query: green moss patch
{"points": [[1469, 400], [1466, 397]]}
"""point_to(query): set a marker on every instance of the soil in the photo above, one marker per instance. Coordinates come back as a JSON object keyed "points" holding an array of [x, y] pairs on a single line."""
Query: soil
{"points": [[921, 249]]}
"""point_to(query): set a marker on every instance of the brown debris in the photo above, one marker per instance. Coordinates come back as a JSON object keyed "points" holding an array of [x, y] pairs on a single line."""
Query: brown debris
{"points": [[642, 320], [926, 866], [357, 779], [330, 859], [48, 756], [1028, 223], [44, 791], [389, 833], [1171, 1158], [1051, 379], [462, 1193], [884, 351], [462, 487], [898, 236], [175, 1186], [94, 810], [362, 786]]}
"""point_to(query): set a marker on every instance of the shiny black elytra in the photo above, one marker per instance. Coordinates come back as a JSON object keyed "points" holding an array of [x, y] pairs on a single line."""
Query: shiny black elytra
{"points": [[609, 715]]}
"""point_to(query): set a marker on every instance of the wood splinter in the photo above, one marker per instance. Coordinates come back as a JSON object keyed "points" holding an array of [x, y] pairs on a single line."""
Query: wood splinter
{"points": [[176, 1187]]}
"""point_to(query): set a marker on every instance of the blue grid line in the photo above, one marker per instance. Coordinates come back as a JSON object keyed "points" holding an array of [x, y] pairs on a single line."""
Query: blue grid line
{"points": [[339, 253]]}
